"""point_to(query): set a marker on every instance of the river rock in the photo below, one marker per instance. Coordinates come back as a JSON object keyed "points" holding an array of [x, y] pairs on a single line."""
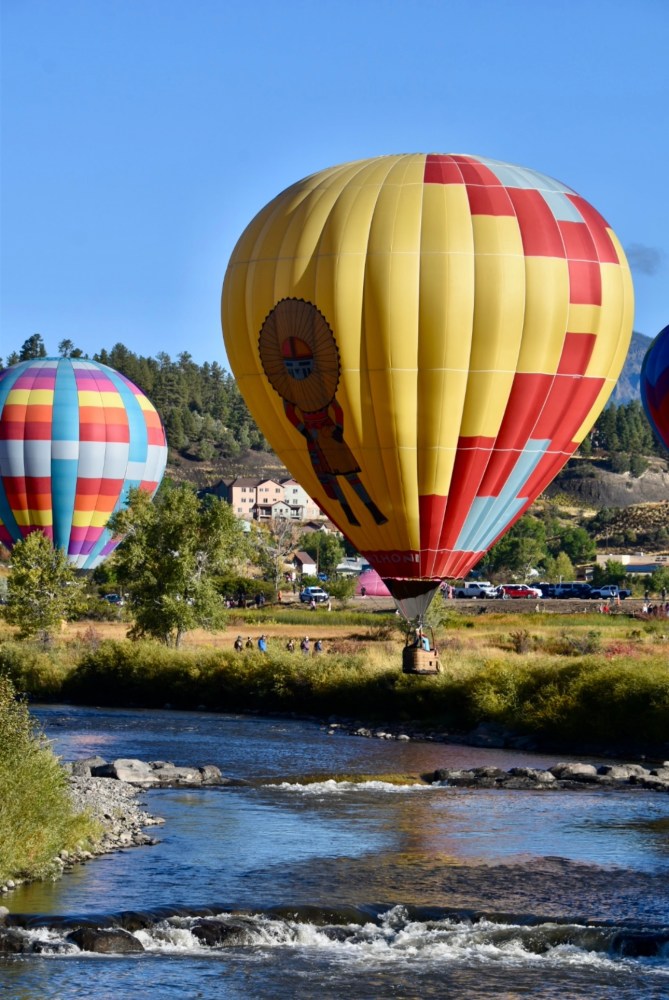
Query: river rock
{"points": [[219, 932], [11, 942], [166, 774], [159, 773], [534, 774], [211, 775], [83, 768], [105, 941], [651, 781], [575, 772], [561, 776], [135, 772], [639, 944], [622, 772]]}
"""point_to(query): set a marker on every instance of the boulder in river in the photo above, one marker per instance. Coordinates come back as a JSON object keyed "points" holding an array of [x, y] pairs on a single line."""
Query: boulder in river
{"points": [[105, 941], [215, 933], [158, 773], [575, 772], [12, 942]]}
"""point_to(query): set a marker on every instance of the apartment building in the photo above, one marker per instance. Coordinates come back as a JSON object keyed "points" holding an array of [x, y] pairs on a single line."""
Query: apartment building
{"points": [[266, 499]]}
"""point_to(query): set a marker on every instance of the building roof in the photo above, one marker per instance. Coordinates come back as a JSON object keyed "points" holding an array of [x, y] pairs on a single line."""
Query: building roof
{"points": [[273, 503], [304, 557], [245, 481]]}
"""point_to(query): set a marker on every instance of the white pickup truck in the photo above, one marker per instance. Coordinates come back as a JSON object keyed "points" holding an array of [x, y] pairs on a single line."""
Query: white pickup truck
{"points": [[610, 592], [475, 588]]}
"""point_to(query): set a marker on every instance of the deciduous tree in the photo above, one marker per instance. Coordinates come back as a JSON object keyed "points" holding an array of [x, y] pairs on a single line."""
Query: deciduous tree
{"points": [[43, 589], [326, 549], [171, 550], [272, 544]]}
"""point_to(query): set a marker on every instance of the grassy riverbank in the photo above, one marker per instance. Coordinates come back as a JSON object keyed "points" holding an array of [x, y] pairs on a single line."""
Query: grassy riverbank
{"points": [[572, 680], [37, 819]]}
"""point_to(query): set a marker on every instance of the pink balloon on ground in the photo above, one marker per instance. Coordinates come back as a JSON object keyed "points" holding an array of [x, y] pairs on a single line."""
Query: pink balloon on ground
{"points": [[373, 585]]}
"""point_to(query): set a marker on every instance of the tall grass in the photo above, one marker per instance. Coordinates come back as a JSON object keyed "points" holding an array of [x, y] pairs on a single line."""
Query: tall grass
{"points": [[564, 682], [301, 614], [37, 819], [589, 699]]}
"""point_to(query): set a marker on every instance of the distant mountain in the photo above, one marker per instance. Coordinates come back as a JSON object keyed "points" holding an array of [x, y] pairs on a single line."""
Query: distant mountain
{"points": [[627, 386]]}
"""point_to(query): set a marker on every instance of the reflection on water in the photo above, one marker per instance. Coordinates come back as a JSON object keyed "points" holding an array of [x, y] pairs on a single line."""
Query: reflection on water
{"points": [[530, 856], [251, 746]]}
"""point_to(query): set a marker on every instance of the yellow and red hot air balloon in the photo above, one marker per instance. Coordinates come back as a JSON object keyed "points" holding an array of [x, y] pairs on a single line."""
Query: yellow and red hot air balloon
{"points": [[425, 340], [75, 435], [654, 385]]}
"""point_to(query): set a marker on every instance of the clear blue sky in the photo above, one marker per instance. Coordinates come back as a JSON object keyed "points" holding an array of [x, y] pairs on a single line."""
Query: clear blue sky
{"points": [[141, 136]]}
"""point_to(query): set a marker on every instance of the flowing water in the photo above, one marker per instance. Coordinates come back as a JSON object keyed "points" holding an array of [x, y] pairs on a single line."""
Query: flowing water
{"points": [[298, 888]]}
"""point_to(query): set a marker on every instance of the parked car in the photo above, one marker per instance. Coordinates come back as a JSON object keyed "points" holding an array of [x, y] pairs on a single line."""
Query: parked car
{"points": [[609, 592], [114, 599], [475, 588], [316, 594], [575, 589], [512, 590]]}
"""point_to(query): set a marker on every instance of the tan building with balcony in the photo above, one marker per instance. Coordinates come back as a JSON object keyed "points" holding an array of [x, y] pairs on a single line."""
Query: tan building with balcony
{"points": [[266, 499]]}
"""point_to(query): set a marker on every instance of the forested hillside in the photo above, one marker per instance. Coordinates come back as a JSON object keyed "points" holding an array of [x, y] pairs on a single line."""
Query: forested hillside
{"points": [[612, 495], [212, 435]]}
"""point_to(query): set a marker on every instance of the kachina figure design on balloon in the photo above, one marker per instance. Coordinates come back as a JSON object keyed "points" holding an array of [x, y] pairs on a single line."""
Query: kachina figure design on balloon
{"points": [[482, 312], [300, 358]]}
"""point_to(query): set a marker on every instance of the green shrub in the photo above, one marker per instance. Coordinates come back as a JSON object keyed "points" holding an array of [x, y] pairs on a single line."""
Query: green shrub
{"points": [[575, 643], [569, 686], [592, 699], [37, 819], [34, 668]]}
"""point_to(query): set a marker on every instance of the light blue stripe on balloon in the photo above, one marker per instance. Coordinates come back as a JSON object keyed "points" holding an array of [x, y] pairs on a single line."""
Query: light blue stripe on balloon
{"points": [[91, 559], [513, 176], [491, 515], [139, 437], [65, 422], [563, 209], [6, 514], [65, 427], [488, 516]]}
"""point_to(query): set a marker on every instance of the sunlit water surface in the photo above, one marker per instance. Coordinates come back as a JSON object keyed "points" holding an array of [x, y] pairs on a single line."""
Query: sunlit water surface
{"points": [[357, 889]]}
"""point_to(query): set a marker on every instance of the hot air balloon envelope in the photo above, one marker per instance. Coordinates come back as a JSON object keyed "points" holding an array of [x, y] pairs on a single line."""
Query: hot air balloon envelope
{"points": [[75, 435], [371, 583], [425, 340], [654, 385]]}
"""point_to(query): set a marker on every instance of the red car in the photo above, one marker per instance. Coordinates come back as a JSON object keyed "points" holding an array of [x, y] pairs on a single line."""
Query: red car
{"points": [[517, 590]]}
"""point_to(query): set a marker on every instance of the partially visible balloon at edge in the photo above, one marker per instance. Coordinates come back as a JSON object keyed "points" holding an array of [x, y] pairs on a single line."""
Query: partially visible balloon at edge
{"points": [[75, 436], [425, 340], [654, 385]]}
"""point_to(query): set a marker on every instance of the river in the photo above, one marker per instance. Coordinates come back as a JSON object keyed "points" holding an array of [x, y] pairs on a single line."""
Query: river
{"points": [[354, 889]]}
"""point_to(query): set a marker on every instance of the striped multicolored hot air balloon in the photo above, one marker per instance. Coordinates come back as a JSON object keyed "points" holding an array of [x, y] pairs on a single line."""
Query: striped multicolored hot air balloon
{"points": [[654, 385], [75, 435], [425, 340]]}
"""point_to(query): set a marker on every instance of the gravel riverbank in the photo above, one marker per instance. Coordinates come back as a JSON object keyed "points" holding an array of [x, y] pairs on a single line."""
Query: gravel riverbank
{"points": [[111, 794], [117, 808]]}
